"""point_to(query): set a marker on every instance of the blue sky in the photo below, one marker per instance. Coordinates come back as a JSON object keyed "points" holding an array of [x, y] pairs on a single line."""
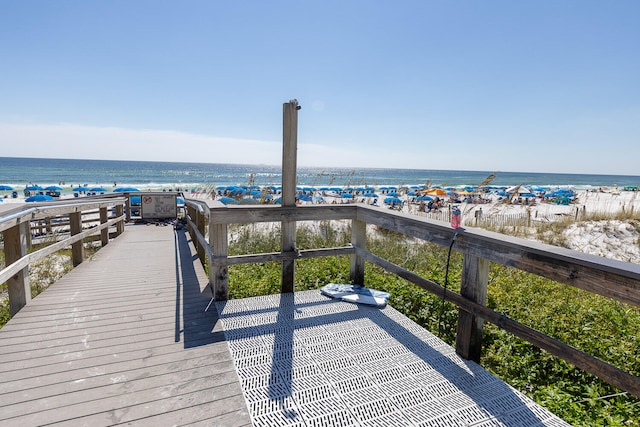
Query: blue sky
{"points": [[540, 86]]}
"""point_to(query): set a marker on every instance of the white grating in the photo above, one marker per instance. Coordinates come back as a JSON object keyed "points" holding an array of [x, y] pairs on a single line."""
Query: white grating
{"points": [[306, 360]]}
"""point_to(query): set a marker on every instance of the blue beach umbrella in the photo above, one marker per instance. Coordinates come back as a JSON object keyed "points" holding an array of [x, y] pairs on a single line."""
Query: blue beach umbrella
{"points": [[123, 190], [393, 201], [98, 190], [33, 188], [227, 200], [6, 188], [80, 188], [38, 198], [53, 188]]}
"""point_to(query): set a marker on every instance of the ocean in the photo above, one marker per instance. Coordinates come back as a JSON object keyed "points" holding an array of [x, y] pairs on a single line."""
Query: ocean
{"points": [[19, 172]]}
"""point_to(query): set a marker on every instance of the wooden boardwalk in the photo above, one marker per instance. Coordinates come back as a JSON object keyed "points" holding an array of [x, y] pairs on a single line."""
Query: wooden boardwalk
{"points": [[128, 337], [131, 337]]}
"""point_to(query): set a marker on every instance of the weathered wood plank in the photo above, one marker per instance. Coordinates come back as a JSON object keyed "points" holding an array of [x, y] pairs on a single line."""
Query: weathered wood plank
{"points": [[128, 336], [610, 278], [275, 213]]}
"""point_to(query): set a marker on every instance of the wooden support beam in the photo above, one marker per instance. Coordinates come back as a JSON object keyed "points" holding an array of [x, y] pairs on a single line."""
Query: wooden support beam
{"points": [[104, 234], [475, 279], [219, 274], [358, 240], [120, 225], [289, 176], [77, 248], [15, 247]]}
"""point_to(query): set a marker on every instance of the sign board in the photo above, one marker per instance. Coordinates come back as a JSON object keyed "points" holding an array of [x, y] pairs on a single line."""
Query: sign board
{"points": [[158, 206]]}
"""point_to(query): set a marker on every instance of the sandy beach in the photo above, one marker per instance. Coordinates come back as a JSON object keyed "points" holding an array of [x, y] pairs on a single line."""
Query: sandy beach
{"points": [[610, 238]]}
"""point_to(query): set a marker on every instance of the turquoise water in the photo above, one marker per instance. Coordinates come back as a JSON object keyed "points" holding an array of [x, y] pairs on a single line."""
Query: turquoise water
{"points": [[19, 172]]}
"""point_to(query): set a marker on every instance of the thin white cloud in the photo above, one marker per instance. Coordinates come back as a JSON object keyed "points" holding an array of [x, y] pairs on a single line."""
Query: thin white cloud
{"points": [[114, 143]]}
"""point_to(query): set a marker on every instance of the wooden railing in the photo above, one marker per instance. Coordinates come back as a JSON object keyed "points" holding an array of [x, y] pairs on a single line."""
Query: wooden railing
{"points": [[65, 222], [609, 278]]}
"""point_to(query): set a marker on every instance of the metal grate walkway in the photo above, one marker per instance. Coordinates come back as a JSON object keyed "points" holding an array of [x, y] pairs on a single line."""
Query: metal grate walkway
{"points": [[306, 360]]}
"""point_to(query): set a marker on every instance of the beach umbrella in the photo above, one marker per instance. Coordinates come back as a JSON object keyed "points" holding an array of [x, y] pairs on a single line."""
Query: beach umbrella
{"points": [[227, 200], [98, 190], [135, 200], [346, 196], [123, 190], [393, 201], [436, 192], [370, 195], [33, 188], [38, 198], [80, 188], [53, 188], [6, 188]]}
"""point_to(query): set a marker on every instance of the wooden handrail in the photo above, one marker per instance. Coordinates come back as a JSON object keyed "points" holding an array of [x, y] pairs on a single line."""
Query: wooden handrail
{"points": [[15, 225], [613, 279]]}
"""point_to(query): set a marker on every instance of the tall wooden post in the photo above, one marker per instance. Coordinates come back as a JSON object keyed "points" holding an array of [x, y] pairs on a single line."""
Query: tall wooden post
{"points": [[77, 248], [475, 279], [15, 247], [359, 240], [289, 174]]}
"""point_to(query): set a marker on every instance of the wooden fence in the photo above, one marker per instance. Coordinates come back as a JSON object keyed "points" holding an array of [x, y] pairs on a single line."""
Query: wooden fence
{"points": [[65, 222], [208, 222]]}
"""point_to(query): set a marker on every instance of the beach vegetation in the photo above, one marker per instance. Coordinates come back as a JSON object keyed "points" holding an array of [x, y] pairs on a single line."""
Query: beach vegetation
{"points": [[596, 325]]}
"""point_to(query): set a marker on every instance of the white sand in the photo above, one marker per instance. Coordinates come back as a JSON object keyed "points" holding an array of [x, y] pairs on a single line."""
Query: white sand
{"points": [[610, 238]]}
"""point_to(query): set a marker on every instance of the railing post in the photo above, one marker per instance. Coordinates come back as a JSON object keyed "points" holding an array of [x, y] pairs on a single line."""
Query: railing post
{"points": [[119, 224], [15, 247], [289, 165], [127, 207], [191, 213], [201, 224], [219, 275], [77, 248], [104, 234], [358, 240], [475, 279]]}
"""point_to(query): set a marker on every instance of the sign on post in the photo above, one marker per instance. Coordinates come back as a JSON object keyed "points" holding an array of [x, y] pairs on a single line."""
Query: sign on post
{"points": [[158, 206]]}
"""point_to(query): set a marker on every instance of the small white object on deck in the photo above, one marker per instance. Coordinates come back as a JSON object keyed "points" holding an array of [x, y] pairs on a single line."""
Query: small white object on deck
{"points": [[356, 294]]}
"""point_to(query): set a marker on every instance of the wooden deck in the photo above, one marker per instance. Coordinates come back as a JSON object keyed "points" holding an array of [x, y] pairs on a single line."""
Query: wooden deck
{"points": [[131, 337], [128, 337]]}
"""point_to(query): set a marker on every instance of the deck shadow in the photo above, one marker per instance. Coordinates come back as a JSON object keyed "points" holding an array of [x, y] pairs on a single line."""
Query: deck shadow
{"points": [[298, 352], [196, 317]]}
